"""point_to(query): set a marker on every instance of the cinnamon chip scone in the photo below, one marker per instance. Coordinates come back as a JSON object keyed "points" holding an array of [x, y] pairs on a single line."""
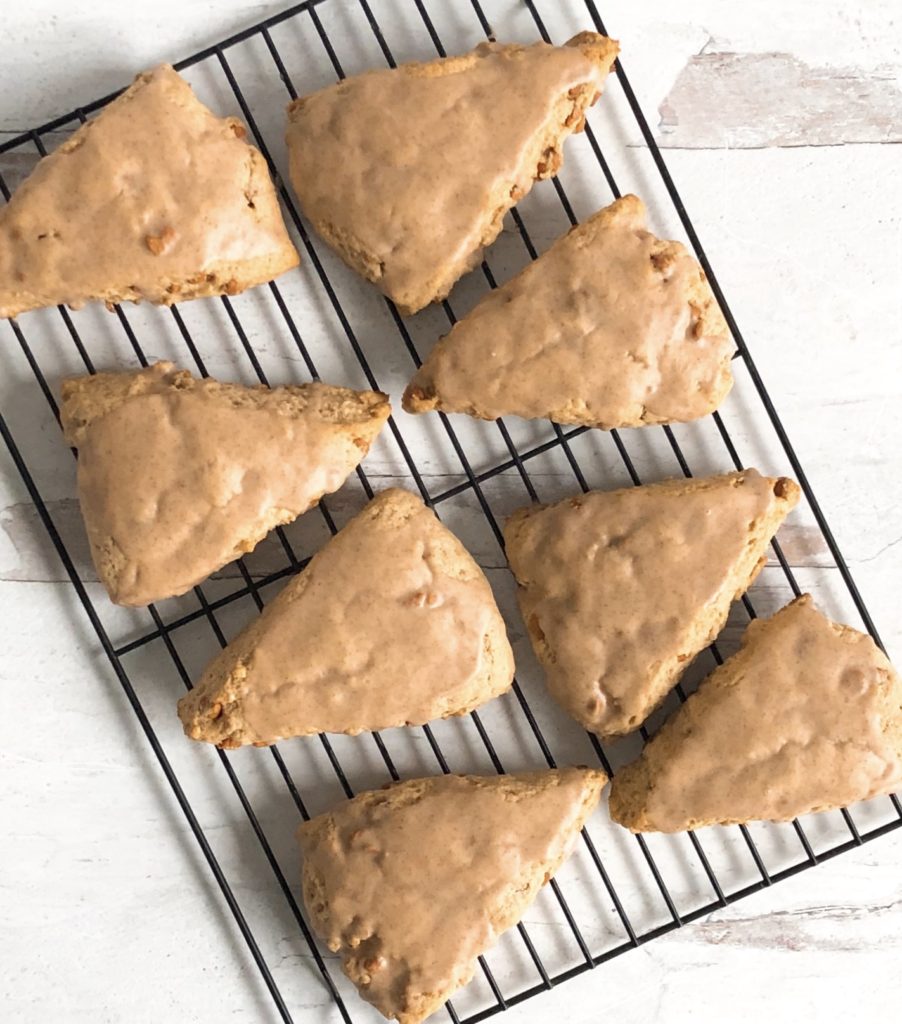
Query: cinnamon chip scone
{"points": [[410, 884], [620, 590], [407, 172], [391, 624], [179, 476], [154, 199], [807, 716], [612, 327]]}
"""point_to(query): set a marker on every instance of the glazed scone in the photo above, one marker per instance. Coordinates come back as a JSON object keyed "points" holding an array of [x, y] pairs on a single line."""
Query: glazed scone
{"points": [[807, 716], [410, 884], [612, 327], [154, 199], [392, 623], [620, 590], [179, 476], [407, 172]]}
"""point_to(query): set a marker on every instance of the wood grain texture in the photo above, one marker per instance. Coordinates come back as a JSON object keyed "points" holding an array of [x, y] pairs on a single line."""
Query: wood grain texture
{"points": [[103, 889], [756, 100]]}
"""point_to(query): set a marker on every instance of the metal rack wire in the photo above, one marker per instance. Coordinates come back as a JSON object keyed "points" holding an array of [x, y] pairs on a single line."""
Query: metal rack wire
{"points": [[580, 945]]}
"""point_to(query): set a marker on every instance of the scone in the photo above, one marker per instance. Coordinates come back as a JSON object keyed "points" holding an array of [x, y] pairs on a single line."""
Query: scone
{"points": [[407, 172], [620, 590], [392, 623], [612, 327], [805, 717], [154, 199], [410, 884], [179, 476]]}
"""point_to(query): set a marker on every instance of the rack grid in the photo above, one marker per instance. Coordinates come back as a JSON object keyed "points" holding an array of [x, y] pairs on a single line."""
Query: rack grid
{"points": [[620, 891]]}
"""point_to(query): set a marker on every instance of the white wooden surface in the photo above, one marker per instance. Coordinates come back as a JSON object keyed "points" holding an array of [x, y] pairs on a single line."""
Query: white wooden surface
{"points": [[782, 124]]}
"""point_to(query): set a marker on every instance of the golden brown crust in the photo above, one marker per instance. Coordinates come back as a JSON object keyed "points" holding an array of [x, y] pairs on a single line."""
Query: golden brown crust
{"points": [[612, 327], [410, 199], [178, 476], [409, 923], [89, 398], [392, 623], [805, 717], [171, 204], [611, 647]]}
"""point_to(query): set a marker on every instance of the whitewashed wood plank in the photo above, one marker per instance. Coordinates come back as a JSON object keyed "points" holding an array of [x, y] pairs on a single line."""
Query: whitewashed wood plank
{"points": [[754, 100]]}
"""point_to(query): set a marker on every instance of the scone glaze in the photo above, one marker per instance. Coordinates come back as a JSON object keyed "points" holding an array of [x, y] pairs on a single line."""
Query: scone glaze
{"points": [[154, 199], [179, 476], [620, 590], [392, 623], [612, 327], [807, 716], [410, 884], [407, 172]]}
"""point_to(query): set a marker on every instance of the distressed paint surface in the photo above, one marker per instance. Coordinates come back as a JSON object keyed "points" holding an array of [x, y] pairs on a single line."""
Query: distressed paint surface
{"points": [[758, 100]]}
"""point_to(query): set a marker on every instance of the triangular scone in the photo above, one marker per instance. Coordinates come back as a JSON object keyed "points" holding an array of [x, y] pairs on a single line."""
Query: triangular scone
{"points": [[179, 476], [410, 884], [619, 590], [612, 327], [156, 198], [407, 172], [805, 717], [391, 624]]}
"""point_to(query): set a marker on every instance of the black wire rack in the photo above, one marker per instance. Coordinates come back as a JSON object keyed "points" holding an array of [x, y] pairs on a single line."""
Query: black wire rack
{"points": [[618, 891]]}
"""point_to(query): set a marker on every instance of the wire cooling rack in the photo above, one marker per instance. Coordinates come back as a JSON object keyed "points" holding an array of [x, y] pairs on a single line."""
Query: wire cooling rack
{"points": [[617, 891]]}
